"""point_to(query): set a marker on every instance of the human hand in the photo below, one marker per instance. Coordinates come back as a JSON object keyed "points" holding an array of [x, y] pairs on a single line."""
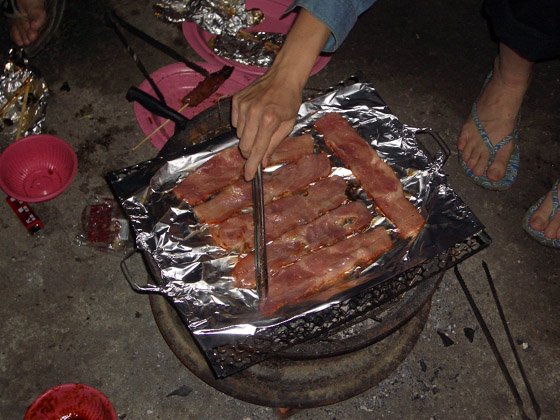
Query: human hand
{"points": [[264, 113]]}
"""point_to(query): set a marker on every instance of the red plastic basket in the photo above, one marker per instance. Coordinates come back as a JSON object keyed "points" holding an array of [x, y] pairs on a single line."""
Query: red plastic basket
{"points": [[37, 168], [71, 402]]}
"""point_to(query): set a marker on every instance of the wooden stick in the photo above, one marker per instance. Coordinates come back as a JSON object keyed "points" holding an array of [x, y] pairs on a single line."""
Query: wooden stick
{"points": [[163, 124], [23, 113], [19, 91]]}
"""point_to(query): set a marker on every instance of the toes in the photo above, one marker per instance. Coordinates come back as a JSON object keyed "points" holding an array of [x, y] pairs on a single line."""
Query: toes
{"points": [[19, 32], [15, 34], [539, 221], [466, 143], [466, 152], [463, 138], [551, 231], [471, 154], [496, 171], [480, 166]]}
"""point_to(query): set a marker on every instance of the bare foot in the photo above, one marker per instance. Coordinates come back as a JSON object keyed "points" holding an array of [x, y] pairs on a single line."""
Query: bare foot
{"points": [[497, 108], [540, 220], [25, 29]]}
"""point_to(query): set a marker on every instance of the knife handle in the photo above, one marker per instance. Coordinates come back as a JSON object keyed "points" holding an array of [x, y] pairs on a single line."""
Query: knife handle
{"points": [[155, 106]]}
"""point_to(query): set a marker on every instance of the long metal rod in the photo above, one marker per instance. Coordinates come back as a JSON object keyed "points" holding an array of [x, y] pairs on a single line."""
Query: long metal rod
{"points": [[261, 265], [536, 406], [158, 45], [111, 22], [492, 343]]}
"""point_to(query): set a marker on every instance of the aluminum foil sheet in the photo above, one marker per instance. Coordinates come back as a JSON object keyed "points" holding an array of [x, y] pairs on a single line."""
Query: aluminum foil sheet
{"points": [[23, 100], [195, 273], [249, 48], [214, 16]]}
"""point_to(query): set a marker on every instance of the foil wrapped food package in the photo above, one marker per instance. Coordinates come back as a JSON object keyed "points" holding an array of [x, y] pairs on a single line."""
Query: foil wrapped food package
{"points": [[195, 273], [23, 100], [215, 16], [251, 49], [230, 22]]}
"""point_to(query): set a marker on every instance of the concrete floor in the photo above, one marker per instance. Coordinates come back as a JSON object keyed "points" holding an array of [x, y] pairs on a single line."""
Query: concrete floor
{"points": [[69, 316]]}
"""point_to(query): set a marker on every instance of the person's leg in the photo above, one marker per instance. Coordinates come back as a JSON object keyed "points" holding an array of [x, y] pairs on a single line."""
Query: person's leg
{"points": [[497, 107], [26, 27]]}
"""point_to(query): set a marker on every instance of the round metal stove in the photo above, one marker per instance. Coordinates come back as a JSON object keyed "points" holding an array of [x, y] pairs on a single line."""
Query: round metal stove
{"points": [[320, 372]]}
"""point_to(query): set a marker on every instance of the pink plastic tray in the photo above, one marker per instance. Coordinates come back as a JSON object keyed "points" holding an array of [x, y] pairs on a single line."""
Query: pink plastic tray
{"points": [[274, 21], [175, 81]]}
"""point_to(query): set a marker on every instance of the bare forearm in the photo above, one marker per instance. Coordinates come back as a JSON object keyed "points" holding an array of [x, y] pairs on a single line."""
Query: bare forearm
{"points": [[265, 112], [301, 49]]}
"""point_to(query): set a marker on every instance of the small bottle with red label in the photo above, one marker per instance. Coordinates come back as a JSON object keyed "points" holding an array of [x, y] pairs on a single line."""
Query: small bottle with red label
{"points": [[26, 215]]}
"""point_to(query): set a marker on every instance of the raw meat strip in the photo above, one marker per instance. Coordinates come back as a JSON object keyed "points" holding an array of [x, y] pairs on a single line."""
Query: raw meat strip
{"points": [[294, 244], [282, 215], [226, 167], [288, 179], [323, 269], [376, 177]]}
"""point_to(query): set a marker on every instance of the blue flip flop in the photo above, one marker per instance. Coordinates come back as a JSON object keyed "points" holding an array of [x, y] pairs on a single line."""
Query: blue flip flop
{"points": [[537, 234], [512, 168]]}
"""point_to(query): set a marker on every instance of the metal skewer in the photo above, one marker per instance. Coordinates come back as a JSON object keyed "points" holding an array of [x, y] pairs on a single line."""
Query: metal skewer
{"points": [[493, 346], [110, 19], [157, 44], [534, 401], [261, 268]]}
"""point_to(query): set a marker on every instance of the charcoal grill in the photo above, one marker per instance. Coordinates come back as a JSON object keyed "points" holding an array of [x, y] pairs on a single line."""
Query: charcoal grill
{"points": [[336, 366], [312, 374], [379, 323]]}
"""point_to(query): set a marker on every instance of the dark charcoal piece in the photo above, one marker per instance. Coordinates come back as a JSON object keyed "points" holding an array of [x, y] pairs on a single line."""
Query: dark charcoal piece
{"points": [[423, 365], [469, 333], [445, 339], [182, 391], [65, 87]]}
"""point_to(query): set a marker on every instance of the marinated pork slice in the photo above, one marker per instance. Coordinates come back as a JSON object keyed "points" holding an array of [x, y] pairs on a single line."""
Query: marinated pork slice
{"points": [[282, 215], [323, 269], [376, 177], [326, 230], [292, 148], [226, 167], [287, 179]]}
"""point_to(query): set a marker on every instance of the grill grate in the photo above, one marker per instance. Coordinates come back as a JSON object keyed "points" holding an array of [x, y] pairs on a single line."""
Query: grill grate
{"points": [[231, 358], [247, 343]]}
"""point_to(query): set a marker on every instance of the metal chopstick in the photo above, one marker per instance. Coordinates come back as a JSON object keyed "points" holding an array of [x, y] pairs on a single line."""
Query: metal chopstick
{"points": [[534, 401], [110, 19], [492, 344], [261, 269], [158, 45]]}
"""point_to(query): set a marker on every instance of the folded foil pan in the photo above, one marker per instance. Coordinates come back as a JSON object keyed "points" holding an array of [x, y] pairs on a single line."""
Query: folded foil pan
{"points": [[194, 273]]}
